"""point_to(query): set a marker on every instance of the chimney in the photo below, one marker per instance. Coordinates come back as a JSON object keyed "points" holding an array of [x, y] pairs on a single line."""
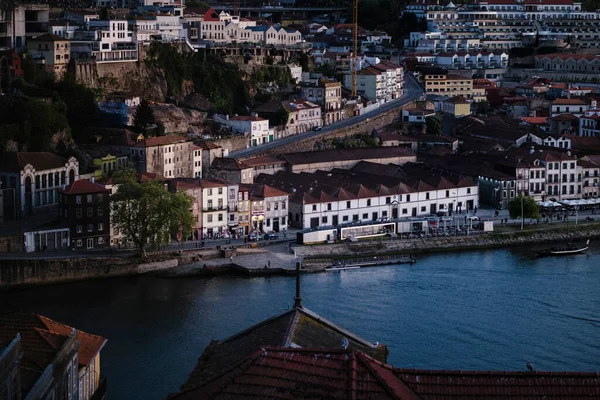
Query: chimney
{"points": [[92, 179], [227, 117]]}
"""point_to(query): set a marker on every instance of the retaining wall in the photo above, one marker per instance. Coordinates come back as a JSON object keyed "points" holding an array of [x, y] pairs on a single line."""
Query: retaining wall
{"points": [[425, 245]]}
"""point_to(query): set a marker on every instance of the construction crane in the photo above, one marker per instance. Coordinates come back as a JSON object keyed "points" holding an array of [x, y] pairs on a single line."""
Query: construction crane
{"points": [[354, 47], [235, 7]]}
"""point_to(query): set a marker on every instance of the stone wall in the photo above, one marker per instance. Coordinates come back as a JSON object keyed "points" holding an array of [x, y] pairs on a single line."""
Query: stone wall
{"points": [[425, 245], [365, 126], [11, 243], [232, 143], [36, 271]]}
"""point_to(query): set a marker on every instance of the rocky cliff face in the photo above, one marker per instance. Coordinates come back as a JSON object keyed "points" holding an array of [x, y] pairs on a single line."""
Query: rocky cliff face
{"points": [[178, 120]]}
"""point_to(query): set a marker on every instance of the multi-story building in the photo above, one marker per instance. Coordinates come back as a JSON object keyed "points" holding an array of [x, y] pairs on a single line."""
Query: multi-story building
{"points": [[214, 208], [575, 107], [22, 23], [244, 210], [169, 156], [36, 179], [303, 116], [65, 367], [328, 94], [379, 83], [591, 177], [52, 53], [104, 41], [548, 174], [192, 188], [448, 84], [209, 151], [231, 169], [84, 205], [274, 207], [372, 192], [256, 127], [589, 123]]}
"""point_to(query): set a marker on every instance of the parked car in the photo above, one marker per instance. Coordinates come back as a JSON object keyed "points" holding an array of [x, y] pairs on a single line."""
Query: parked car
{"points": [[442, 213], [317, 128], [472, 218], [254, 236], [271, 236]]}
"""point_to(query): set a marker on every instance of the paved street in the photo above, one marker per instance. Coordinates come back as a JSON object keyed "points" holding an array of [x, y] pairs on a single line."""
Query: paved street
{"points": [[412, 91]]}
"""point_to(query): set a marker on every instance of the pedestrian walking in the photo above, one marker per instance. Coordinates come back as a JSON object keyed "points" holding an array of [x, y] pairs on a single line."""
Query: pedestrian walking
{"points": [[269, 263]]}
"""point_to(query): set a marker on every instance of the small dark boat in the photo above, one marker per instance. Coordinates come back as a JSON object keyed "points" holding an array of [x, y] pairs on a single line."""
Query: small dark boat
{"points": [[562, 250]]}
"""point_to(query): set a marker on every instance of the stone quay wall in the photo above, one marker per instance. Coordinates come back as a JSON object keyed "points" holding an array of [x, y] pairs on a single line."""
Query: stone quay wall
{"points": [[442, 244]]}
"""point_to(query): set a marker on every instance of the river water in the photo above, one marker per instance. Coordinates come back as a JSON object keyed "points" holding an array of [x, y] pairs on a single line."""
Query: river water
{"points": [[470, 310]]}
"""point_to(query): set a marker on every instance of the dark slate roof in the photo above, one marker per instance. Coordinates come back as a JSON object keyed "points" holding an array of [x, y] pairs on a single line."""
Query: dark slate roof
{"points": [[297, 327], [16, 161]]}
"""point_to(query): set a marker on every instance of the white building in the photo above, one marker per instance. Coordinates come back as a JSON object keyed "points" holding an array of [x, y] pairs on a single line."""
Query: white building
{"points": [[214, 208], [339, 197], [303, 116], [379, 83], [105, 41], [589, 124], [575, 107], [256, 127], [36, 179]]}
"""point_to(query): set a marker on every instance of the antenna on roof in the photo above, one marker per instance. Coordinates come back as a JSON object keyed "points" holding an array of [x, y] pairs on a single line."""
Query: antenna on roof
{"points": [[298, 298]]}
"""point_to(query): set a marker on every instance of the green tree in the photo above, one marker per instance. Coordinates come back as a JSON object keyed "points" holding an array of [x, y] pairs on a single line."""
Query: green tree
{"points": [[530, 208], [147, 214], [482, 107], [280, 117], [144, 116], [434, 125]]}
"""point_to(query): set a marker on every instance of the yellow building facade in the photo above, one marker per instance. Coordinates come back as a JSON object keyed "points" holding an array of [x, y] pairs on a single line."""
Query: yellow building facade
{"points": [[448, 85]]}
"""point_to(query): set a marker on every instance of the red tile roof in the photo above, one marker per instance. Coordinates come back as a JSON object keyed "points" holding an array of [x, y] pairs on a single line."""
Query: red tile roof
{"points": [[302, 373], [41, 340], [83, 186], [569, 102]]}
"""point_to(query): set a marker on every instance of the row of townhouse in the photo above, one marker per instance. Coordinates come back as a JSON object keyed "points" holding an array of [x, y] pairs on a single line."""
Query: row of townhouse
{"points": [[223, 208], [568, 62], [465, 60], [372, 192], [223, 28], [439, 81], [327, 93]]}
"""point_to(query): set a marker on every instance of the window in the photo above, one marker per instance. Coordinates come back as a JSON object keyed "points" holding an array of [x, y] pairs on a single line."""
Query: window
{"points": [[388, 200], [468, 190], [405, 211], [283, 205], [78, 213], [77, 199], [209, 218], [345, 218], [328, 206], [369, 203], [100, 226], [90, 212], [210, 192], [220, 217], [79, 243], [79, 228], [324, 220], [100, 241], [347, 204], [90, 227], [89, 198], [232, 193], [314, 207], [220, 190], [365, 216], [100, 211]]}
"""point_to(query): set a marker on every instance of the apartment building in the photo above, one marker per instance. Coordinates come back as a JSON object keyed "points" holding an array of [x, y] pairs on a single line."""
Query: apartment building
{"points": [[23, 23], [85, 208], [303, 116], [440, 82], [166, 156], [547, 174], [51, 53], [379, 83], [328, 94], [576, 107], [472, 60], [214, 208]]}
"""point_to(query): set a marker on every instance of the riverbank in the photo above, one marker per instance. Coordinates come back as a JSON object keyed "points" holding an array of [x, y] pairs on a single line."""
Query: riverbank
{"points": [[253, 262]]}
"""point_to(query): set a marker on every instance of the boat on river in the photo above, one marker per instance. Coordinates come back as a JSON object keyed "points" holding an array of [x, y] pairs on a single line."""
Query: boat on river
{"points": [[563, 250], [341, 267]]}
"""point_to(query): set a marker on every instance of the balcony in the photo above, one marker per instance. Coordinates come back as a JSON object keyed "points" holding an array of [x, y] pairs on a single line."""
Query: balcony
{"points": [[215, 209]]}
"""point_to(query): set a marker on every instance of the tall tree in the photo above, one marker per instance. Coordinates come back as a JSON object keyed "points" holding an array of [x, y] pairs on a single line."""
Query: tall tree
{"points": [[434, 125], [144, 116], [530, 208], [147, 214]]}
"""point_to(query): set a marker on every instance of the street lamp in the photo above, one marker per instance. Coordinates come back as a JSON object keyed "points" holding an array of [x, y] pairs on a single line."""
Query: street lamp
{"points": [[522, 214]]}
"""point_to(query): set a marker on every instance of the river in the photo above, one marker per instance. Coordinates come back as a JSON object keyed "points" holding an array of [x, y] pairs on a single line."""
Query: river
{"points": [[469, 310]]}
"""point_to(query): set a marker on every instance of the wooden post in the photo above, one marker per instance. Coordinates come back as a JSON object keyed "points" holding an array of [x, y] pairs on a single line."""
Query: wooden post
{"points": [[298, 298]]}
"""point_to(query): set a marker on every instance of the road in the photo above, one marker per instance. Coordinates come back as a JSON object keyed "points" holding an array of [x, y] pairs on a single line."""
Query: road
{"points": [[412, 91]]}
